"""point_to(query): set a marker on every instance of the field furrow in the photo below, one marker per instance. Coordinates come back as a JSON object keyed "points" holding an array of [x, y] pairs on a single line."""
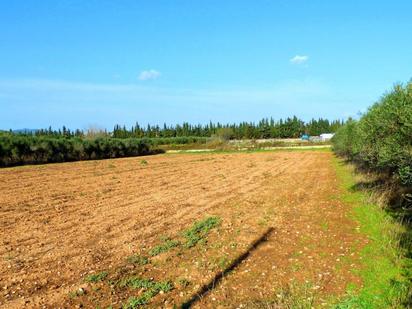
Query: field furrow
{"points": [[59, 222]]}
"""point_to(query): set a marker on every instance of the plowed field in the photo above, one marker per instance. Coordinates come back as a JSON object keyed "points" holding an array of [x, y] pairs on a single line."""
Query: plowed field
{"points": [[62, 223]]}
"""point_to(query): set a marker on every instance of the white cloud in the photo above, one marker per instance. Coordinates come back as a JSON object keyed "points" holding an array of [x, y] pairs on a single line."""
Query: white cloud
{"points": [[149, 74], [299, 59]]}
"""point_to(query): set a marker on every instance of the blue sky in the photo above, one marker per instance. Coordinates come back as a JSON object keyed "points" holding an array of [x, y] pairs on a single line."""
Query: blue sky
{"points": [[97, 63]]}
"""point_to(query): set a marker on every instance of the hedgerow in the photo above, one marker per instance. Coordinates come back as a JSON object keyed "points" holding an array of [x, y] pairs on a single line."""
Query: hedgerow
{"points": [[28, 149], [381, 140]]}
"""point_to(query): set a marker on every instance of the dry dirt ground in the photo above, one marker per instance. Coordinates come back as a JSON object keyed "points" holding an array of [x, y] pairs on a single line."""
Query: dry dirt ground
{"points": [[61, 223]]}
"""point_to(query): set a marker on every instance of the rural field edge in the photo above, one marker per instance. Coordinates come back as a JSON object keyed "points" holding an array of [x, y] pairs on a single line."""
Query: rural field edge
{"points": [[386, 266]]}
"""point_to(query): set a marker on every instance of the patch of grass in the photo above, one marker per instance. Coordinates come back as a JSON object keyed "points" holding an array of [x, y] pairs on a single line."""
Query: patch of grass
{"points": [[199, 230], [262, 222], [296, 266], [223, 262], [254, 150], [165, 286], [135, 283], [77, 293], [163, 247], [217, 245], [143, 162], [323, 254], [97, 277], [138, 259], [296, 254], [184, 283], [293, 296], [386, 269], [151, 289], [96, 288], [136, 302], [324, 226], [8, 257]]}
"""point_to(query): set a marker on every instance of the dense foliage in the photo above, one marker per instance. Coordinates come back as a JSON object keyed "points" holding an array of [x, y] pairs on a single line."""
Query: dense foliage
{"points": [[266, 128], [18, 149], [183, 140], [47, 145], [382, 139], [186, 133]]}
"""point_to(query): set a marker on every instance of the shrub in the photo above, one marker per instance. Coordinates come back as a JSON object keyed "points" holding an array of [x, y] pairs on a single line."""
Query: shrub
{"points": [[18, 149], [224, 134], [382, 138]]}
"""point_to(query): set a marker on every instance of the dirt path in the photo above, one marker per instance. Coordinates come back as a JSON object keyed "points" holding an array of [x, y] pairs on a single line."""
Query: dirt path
{"points": [[61, 222]]}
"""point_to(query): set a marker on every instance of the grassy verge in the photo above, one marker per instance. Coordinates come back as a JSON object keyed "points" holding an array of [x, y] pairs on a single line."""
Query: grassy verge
{"points": [[251, 150], [386, 270]]}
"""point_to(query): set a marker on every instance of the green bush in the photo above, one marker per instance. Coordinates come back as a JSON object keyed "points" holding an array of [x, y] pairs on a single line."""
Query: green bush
{"points": [[18, 149], [382, 138], [224, 134], [346, 141]]}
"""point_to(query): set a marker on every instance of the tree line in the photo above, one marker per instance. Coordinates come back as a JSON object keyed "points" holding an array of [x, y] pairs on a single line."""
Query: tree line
{"points": [[381, 140], [291, 127], [266, 128], [48, 145]]}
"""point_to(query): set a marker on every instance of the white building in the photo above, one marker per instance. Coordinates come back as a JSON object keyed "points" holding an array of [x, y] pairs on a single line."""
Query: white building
{"points": [[326, 136]]}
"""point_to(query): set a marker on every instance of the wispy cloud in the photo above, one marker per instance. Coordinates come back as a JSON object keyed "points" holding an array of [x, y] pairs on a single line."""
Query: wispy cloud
{"points": [[50, 90], [149, 74], [298, 59], [77, 104]]}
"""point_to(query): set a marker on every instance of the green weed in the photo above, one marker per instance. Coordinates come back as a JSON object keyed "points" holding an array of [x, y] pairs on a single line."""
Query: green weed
{"points": [[223, 262], [77, 293], [183, 282], [324, 226], [152, 288], [199, 230], [138, 259], [96, 277], [163, 247], [293, 296], [135, 283], [195, 234]]}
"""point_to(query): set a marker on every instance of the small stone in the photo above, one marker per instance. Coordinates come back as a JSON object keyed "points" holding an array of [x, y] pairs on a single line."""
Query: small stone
{"points": [[81, 291]]}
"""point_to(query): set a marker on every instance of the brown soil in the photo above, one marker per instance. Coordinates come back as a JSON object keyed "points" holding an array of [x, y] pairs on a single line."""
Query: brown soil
{"points": [[62, 222]]}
